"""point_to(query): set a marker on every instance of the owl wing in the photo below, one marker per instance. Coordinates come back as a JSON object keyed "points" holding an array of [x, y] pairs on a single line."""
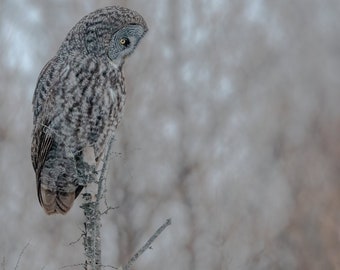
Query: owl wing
{"points": [[42, 141], [41, 90], [51, 199], [41, 145]]}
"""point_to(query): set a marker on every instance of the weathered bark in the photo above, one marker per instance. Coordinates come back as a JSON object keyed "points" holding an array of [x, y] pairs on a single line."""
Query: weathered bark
{"points": [[92, 224]]}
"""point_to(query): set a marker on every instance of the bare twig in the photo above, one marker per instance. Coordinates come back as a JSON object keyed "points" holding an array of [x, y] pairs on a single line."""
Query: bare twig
{"points": [[71, 265], [77, 240], [147, 244], [91, 240], [91, 237], [102, 177], [3, 263], [20, 255], [109, 266], [108, 208], [92, 224], [81, 264]]}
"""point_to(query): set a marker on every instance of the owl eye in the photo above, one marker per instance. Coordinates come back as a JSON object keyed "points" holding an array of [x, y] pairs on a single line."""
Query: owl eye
{"points": [[124, 41]]}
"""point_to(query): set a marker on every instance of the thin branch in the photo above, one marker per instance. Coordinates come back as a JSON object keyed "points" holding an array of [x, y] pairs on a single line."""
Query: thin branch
{"points": [[81, 264], [71, 265], [20, 255], [77, 240], [109, 266], [91, 239], [3, 263], [147, 245], [108, 208], [91, 205], [102, 177]]}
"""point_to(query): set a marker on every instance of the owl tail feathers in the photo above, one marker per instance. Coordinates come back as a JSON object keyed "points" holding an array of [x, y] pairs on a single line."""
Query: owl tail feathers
{"points": [[56, 202]]}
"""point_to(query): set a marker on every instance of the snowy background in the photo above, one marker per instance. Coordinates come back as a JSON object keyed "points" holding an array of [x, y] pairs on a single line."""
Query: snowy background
{"points": [[232, 129]]}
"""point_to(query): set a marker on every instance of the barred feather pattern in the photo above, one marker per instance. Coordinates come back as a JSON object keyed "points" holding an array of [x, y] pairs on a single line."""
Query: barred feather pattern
{"points": [[78, 103], [84, 106]]}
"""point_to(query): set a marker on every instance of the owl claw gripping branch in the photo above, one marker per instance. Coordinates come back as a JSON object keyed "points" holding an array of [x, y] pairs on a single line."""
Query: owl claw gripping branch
{"points": [[78, 103]]}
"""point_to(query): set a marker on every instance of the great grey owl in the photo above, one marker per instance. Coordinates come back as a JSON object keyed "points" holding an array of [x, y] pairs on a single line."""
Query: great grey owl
{"points": [[78, 103]]}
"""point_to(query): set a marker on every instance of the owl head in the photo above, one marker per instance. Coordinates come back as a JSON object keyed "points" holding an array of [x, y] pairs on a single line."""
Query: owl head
{"points": [[110, 33]]}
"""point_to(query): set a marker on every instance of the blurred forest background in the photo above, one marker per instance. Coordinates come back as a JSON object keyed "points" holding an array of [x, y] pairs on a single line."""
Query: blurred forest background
{"points": [[232, 129]]}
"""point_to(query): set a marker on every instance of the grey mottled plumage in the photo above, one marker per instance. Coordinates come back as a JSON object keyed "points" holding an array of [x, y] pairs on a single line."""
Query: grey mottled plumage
{"points": [[78, 103]]}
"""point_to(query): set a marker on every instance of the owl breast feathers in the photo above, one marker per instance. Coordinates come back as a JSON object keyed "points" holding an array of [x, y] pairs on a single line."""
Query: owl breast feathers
{"points": [[78, 103]]}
